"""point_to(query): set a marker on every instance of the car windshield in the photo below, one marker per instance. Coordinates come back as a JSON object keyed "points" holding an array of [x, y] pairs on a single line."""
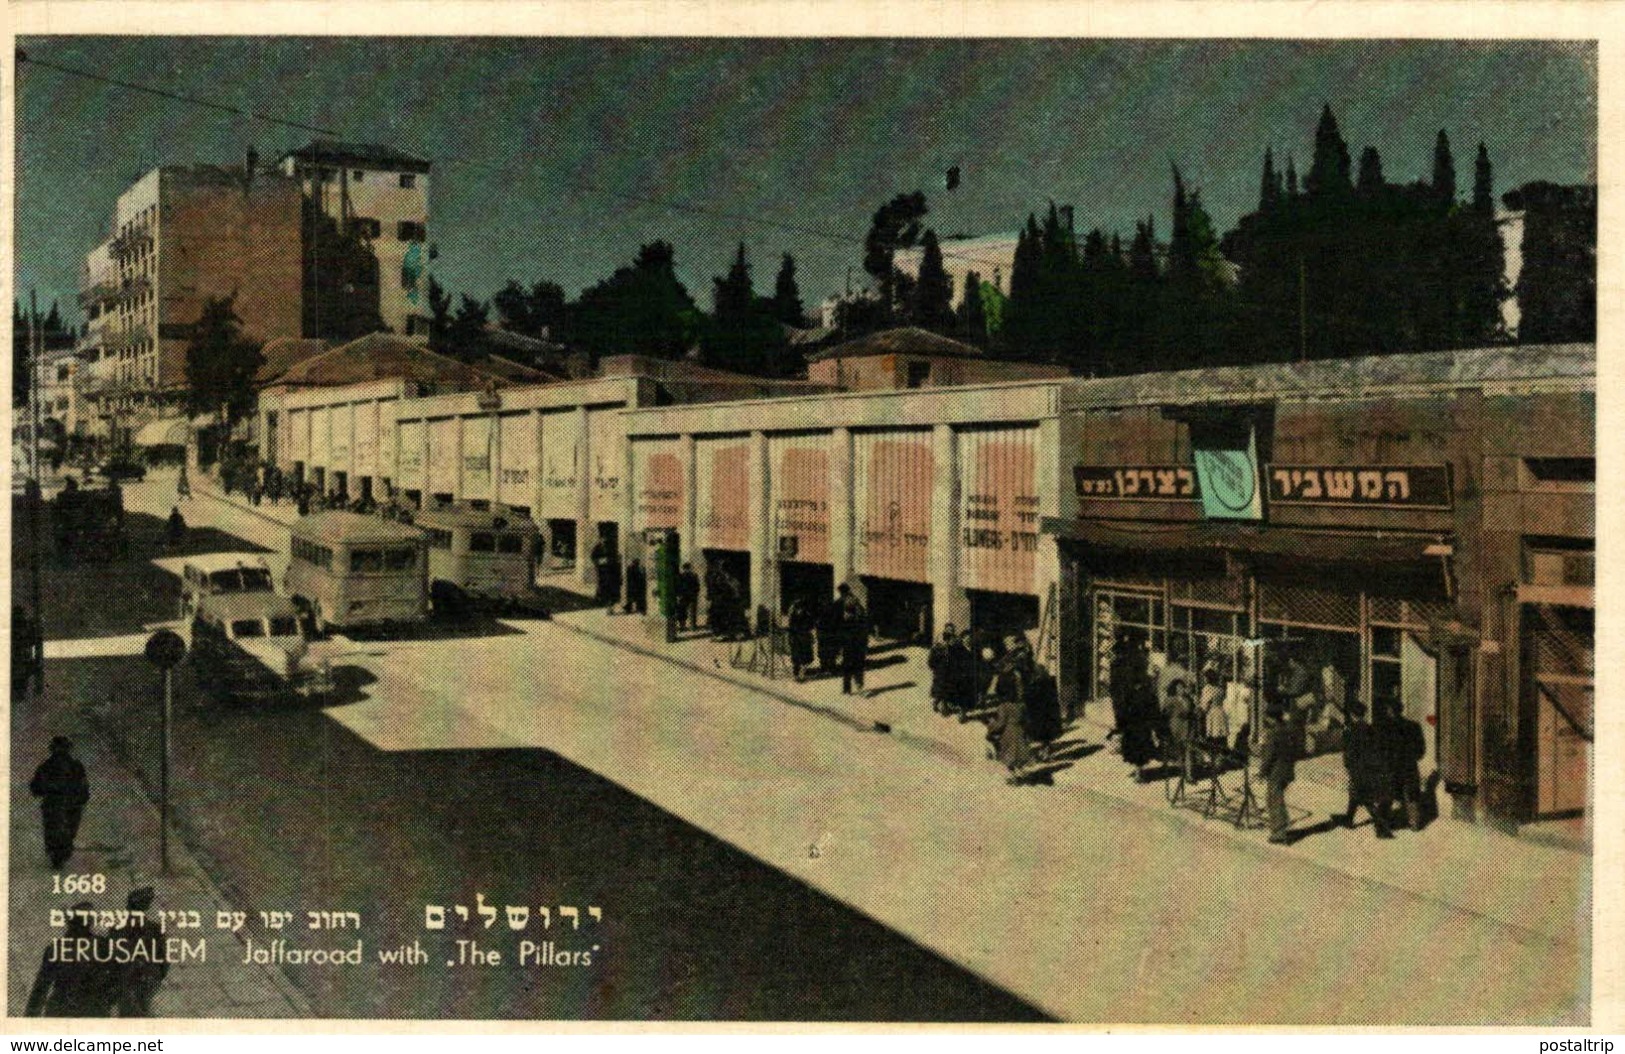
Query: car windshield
{"points": [[241, 580], [285, 626], [247, 627]]}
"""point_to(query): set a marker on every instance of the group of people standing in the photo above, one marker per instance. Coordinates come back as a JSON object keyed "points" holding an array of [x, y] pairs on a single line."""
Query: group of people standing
{"points": [[1162, 710], [1007, 677], [836, 632]]}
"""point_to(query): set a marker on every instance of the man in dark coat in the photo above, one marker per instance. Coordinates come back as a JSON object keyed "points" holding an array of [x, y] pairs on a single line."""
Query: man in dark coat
{"points": [[76, 984], [1405, 746], [854, 641], [140, 977], [60, 785], [962, 675], [1369, 778], [940, 663], [688, 596], [637, 589], [829, 636], [1278, 766], [802, 621], [1041, 702]]}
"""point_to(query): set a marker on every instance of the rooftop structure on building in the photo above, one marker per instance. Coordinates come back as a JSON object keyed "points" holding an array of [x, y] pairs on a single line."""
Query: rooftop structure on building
{"points": [[909, 357], [387, 356]]}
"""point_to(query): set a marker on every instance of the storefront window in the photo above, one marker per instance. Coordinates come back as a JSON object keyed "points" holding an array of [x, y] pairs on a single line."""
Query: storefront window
{"points": [[1139, 615], [1331, 661]]}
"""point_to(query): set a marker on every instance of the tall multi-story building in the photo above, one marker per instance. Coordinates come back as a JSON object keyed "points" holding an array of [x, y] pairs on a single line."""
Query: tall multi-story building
{"points": [[183, 235], [381, 195]]}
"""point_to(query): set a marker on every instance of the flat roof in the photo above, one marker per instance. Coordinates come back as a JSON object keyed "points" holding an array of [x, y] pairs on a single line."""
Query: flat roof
{"points": [[343, 525], [462, 516]]}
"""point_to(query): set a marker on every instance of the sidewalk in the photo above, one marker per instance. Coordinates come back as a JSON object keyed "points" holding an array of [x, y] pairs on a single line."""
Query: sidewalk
{"points": [[1540, 888], [120, 839]]}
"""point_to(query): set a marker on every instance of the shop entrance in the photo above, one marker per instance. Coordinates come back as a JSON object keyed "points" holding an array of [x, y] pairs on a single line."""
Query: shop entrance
{"points": [[561, 543], [816, 582], [1002, 614], [726, 581], [899, 610], [1140, 617], [1558, 657]]}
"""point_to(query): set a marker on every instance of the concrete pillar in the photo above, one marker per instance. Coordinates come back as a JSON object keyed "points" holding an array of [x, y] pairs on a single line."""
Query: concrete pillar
{"points": [[763, 568], [425, 493], [585, 530], [948, 602], [842, 484], [461, 463], [494, 469], [536, 472], [689, 543]]}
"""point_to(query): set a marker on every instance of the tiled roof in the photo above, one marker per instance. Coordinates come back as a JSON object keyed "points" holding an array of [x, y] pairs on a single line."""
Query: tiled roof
{"points": [[906, 340], [328, 151]]}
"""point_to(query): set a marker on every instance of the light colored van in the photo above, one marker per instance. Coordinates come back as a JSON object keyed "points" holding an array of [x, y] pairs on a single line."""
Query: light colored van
{"points": [[347, 570], [214, 573]]}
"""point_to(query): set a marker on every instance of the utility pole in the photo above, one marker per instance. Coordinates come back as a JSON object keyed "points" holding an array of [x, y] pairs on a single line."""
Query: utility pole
{"points": [[34, 493]]}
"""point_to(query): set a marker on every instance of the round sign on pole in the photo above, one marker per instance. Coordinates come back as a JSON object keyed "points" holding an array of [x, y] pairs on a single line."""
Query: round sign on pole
{"points": [[165, 649]]}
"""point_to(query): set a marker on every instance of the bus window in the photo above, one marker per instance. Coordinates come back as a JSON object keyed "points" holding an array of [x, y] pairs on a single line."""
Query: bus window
{"points": [[399, 559], [439, 539], [247, 627], [366, 560], [510, 543], [311, 553], [284, 626], [482, 542]]}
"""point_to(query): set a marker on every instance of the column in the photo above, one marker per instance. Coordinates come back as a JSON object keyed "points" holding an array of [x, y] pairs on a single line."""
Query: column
{"points": [[585, 530], [948, 602], [461, 465], [763, 568], [841, 497]]}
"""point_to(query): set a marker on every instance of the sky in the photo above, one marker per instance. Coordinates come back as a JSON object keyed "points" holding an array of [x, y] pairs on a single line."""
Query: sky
{"points": [[556, 158]]}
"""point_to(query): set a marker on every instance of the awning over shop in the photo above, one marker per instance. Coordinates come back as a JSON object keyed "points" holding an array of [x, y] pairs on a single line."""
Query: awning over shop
{"points": [[1372, 547], [166, 431]]}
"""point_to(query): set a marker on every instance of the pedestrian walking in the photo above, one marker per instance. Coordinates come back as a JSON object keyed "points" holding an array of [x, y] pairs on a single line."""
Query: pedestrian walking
{"points": [[854, 641], [140, 977], [939, 662], [802, 620], [1370, 780], [174, 529], [1405, 746], [60, 785], [637, 589], [1007, 731], [962, 676], [1120, 675], [1041, 698], [1277, 765], [688, 597], [78, 985], [829, 637]]}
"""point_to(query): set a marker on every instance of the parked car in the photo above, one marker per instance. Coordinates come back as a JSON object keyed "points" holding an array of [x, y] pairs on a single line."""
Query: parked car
{"points": [[122, 471], [251, 645]]}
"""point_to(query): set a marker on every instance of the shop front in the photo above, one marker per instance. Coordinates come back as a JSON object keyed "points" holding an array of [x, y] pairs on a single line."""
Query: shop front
{"points": [[893, 474]]}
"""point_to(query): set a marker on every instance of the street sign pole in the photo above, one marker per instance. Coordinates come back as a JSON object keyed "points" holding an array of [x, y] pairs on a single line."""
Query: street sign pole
{"points": [[163, 771], [165, 650]]}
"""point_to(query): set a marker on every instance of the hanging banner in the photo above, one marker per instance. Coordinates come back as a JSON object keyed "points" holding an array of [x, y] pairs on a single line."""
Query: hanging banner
{"points": [[1227, 472], [366, 440], [798, 496], [343, 425], [321, 437], [516, 481], [606, 447], [723, 478], [298, 436], [999, 508], [478, 437], [892, 473], [409, 455], [659, 485], [561, 466], [443, 456]]}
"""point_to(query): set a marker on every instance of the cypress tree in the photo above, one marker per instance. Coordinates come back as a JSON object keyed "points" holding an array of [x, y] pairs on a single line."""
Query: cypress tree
{"points": [[1444, 170], [787, 295], [933, 290], [972, 317], [1329, 172], [1269, 185], [1483, 183], [1291, 178], [1370, 170]]}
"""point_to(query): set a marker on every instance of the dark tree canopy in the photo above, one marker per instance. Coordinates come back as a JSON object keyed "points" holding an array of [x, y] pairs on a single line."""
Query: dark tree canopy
{"points": [[933, 290], [787, 295], [221, 363], [641, 309]]}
